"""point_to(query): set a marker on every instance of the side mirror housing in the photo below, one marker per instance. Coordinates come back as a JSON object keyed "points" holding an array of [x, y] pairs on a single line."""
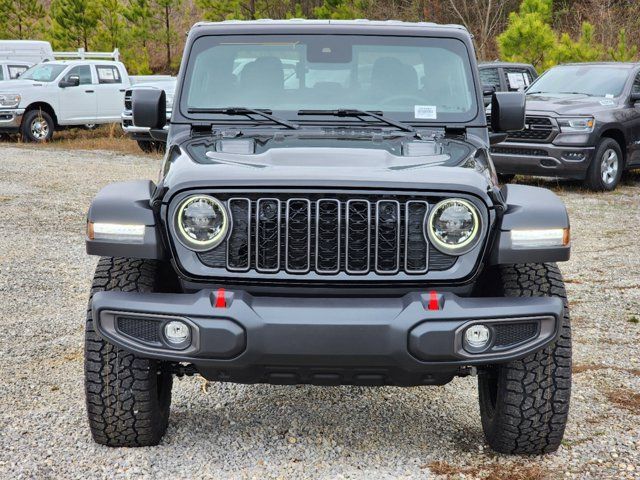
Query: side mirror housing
{"points": [[149, 106], [70, 81], [488, 90], [507, 111]]}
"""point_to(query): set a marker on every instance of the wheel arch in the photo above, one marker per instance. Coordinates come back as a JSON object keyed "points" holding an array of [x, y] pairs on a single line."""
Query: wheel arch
{"points": [[45, 107], [618, 135]]}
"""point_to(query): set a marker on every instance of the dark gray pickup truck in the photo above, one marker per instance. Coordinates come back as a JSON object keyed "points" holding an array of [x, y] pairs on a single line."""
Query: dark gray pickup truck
{"points": [[583, 122], [327, 213]]}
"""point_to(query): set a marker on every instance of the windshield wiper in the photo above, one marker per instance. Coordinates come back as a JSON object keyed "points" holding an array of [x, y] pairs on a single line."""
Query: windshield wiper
{"points": [[246, 111], [347, 112]]}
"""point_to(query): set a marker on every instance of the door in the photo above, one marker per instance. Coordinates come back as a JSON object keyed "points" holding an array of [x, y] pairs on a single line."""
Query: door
{"points": [[78, 104], [110, 91], [632, 124]]}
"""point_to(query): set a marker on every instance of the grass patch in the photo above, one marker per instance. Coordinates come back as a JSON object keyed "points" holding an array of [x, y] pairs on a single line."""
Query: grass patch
{"points": [[626, 399], [492, 472], [633, 319], [106, 137]]}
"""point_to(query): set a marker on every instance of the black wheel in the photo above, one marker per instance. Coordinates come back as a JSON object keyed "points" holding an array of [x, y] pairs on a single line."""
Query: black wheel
{"points": [[151, 146], [524, 403], [606, 166], [37, 126], [128, 397], [506, 178]]}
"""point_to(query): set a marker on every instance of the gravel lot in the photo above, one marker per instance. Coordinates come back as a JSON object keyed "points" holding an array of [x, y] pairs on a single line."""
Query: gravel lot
{"points": [[237, 431]]}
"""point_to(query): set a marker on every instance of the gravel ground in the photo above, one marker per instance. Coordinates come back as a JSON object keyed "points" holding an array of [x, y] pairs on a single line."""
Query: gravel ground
{"points": [[237, 431]]}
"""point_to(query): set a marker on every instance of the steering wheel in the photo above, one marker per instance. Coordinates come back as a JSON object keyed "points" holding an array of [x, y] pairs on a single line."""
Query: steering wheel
{"points": [[398, 98]]}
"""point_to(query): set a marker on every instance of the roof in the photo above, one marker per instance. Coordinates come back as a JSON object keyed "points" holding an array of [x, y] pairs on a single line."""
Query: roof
{"points": [[78, 61], [600, 64], [355, 24], [504, 64]]}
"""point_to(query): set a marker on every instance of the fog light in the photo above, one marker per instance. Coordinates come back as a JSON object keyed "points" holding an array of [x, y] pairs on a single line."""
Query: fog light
{"points": [[177, 333], [476, 337]]}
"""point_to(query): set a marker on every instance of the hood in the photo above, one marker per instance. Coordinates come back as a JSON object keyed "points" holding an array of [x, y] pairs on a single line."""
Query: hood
{"points": [[569, 104], [169, 86], [14, 86], [329, 168]]}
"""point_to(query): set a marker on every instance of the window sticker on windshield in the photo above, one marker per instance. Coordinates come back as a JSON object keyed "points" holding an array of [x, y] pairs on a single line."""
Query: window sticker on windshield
{"points": [[516, 80], [426, 112]]}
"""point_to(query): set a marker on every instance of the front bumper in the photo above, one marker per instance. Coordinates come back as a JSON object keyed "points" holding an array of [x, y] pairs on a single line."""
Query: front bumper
{"points": [[396, 340], [138, 133], [11, 119], [544, 159]]}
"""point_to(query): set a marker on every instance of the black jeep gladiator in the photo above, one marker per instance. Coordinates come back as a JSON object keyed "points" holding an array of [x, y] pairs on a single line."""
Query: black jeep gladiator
{"points": [[327, 213], [583, 122]]}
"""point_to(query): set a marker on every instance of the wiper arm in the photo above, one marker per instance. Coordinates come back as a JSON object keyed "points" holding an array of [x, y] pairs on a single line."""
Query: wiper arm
{"points": [[347, 112], [246, 111]]}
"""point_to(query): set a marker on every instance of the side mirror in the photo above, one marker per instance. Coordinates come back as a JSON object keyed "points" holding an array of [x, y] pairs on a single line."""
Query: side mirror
{"points": [[635, 97], [149, 106], [70, 81], [507, 111]]}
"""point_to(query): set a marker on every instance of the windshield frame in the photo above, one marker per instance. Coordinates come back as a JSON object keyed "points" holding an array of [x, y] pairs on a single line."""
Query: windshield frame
{"points": [[533, 90], [44, 64], [474, 117]]}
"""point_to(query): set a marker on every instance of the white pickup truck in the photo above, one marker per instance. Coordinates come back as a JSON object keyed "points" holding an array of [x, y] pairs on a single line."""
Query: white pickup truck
{"points": [[62, 94]]}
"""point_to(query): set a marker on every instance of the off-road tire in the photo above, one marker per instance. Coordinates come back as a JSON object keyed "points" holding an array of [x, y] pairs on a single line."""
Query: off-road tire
{"points": [[524, 403], [25, 128], [594, 180], [128, 397], [151, 146]]}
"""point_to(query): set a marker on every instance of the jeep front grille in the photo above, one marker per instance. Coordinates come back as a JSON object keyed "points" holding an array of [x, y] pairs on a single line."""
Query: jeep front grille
{"points": [[310, 233]]}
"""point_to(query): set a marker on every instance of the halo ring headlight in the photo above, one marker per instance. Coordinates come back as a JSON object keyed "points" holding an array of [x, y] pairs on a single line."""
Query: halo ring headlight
{"points": [[201, 222], [454, 226]]}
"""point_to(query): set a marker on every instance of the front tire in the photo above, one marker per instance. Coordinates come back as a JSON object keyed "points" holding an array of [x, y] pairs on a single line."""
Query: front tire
{"points": [[606, 166], [37, 126], [128, 398], [524, 404]]}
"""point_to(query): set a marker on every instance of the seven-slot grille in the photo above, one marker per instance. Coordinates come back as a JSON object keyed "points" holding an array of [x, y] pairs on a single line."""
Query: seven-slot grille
{"points": [[302, 234], [536, 128]]}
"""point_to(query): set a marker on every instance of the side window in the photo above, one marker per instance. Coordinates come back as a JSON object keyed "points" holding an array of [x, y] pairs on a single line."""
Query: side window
{"points": [[16, 70], [1, 73], [490, 76], [517, 78], [82, 71], [635, 88], [108, 74]]}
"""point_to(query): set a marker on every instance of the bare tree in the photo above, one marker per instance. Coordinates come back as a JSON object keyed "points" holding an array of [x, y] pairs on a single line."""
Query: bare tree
{"points": [[483, 18]]}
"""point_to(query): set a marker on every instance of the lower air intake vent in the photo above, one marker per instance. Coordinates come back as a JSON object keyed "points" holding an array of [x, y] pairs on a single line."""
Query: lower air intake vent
{"points": [[508, 335], [142, 329]]}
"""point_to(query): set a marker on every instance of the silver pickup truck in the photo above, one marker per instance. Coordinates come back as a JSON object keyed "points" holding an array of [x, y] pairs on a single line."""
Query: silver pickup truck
{"points": [[141, 134]]}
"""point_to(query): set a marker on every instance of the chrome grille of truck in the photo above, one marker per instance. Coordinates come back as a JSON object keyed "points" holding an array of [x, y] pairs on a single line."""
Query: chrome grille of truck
{"points": [[328, 236]]}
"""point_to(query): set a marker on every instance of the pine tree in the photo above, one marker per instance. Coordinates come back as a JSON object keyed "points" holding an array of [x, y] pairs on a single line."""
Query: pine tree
{"points": [[585, 49], [140, 23], [110, 20], [165, 9], [74, 22], [623, 52], [218, 10], [21, 19], [529, 37], [339, 9]]}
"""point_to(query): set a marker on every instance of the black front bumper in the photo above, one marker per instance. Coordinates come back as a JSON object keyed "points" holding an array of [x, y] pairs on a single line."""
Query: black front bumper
{"points": [[410, 340]]}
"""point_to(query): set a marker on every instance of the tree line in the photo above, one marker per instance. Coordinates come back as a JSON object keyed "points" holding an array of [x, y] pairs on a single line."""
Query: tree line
{"points": [[150, 33]]}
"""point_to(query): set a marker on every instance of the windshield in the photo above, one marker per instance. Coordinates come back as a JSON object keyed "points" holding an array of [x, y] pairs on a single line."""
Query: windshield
{"points": [[44, 72], [597, 81], [410, 78]]}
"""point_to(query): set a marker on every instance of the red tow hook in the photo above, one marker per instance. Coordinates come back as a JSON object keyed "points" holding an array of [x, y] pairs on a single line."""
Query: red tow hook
{"points": [[221, 301], [434, 302]]}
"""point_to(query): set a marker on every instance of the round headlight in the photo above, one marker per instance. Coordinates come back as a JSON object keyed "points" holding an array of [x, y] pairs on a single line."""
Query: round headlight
{"points": [[202, 222], [454, 226]]}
